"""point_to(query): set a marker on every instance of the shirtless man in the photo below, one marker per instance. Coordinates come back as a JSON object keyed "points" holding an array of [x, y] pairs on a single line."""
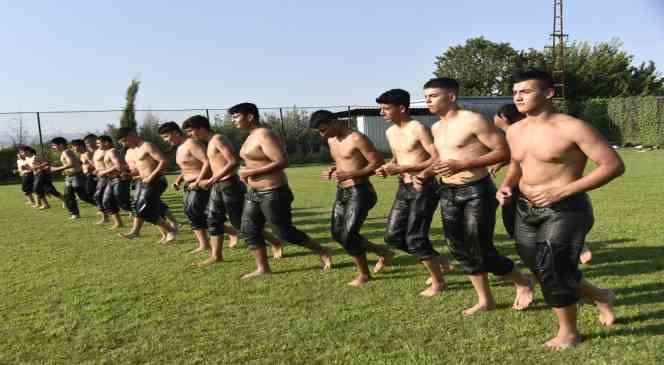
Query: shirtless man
{"points": [[71, 169], [23, 163], [549, 154], [226, 190], [269, 197], [43, 185], [194, 167], [148, 164], [414, 205], [102, 181], [355, 160], [116, 190], [88, 164], [467, 145]]}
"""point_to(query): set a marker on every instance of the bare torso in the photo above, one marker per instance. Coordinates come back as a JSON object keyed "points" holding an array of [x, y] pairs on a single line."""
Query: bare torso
{"points": [[142, 160], [98, 159], [254, 157], [347, 157], [547, 159], [108, 162], [87, 162], [190, 166], [455, 139], [69, 157], [406, 146], [216, 158]]}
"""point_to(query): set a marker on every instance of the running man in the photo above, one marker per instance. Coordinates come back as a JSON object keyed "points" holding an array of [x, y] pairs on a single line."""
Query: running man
{"points": [[269, 197], [355, 160], [71, 169], [116, 190], [467, 146], [549, 154]]}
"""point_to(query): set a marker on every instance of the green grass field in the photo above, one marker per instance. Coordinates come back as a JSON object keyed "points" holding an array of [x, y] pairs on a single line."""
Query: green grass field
{"points": [[73, 292]]}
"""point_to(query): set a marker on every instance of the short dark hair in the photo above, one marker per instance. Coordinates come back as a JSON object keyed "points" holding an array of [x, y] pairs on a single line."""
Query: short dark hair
{"points": [[442, 83], [321, 117], [90, 136], [245, 109], [395, 97], [125, 131], [77, 143], [511, 113], [170, 127], [196, 122], [59, 141], [105, 138], [545, 79]]}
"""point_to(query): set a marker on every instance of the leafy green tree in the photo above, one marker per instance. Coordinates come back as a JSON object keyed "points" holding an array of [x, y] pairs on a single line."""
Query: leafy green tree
{"points": [[128, 118]]}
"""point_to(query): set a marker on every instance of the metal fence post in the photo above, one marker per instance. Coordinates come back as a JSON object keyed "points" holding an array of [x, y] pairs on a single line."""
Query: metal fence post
{"points": [[41, 140], [207, 114], [283, 128]]}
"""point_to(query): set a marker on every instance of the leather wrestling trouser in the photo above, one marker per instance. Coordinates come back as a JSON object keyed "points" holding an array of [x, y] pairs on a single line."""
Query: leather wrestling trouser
{"points": [[350, 210], [43, 185], [75, 186], [28, 183], [116, 196], [549, 241], [409, 220], [226, 199], [272, 206], [148, 203], [195, 203], [469, 217]]}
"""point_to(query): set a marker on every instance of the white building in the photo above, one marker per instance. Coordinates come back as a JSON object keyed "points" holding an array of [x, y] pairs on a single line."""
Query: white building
{"points": [[370, 123]]}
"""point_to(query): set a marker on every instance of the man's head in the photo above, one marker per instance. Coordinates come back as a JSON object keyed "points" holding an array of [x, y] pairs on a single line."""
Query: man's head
{"points": [[244, 115], [59, 144], [440, 94], [197, 127], [532, 90], [171, 133], [104, 142], [128, 137], [326, 123], [507, 115], [27, 151], [394, 105], [77, 145], [90, 141]]}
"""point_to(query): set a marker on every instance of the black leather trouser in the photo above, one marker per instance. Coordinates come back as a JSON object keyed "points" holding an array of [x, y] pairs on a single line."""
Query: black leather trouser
{"points": [[549, 241], [350, 210], [116, 196], [44, 185], [195, 206], [272, 206], [75, 186], [226, 199], [469, 218], [28, 183], [409, 220], [509, 212], [149, 206]]}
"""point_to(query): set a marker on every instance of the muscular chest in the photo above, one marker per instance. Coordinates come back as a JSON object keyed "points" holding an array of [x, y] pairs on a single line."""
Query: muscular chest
{"points": [[342, 150], [539, 143], [454, 136], [251, 150], [403, 143]]}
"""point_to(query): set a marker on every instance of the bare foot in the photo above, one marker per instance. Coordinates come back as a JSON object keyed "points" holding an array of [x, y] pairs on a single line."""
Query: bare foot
{"points": [[605, 308], [326, 259], [209, 261], [74, 216], [586, 255], [44, 207], [446, 266], [256, 273], [197, 250], [277, 250], [102, 221], [170, 239], [479, 307], [524, 295], [562, 342], [175, 227], [359, 281], [116, 226], [432, 290], [383, 261], [232, 242], [129, 236]]}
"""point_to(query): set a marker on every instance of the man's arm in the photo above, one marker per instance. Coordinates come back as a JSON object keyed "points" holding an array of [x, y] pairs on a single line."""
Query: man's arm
{"points": [[67, 164], [157, 155], [271, 147], [368, 150], [226, 151]]}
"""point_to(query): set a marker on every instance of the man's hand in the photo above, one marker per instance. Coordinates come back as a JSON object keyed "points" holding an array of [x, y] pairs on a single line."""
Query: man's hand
{"points": [[503, 194], [389, 169], [343, 175], [194, 185], [244, 174], [205, 183], [448, 167], [176, 186], [147, 180], [328, 173], [545, 198]]}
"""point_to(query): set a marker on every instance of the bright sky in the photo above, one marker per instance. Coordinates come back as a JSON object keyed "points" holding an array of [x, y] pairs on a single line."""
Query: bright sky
{"points": [[63, 55]]}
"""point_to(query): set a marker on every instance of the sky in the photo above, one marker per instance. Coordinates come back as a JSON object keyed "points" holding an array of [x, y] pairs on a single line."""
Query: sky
{"points": [[81, 55]]}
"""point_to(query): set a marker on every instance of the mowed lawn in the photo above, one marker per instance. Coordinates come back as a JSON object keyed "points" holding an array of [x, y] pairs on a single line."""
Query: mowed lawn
{"points": [[73, 292]]}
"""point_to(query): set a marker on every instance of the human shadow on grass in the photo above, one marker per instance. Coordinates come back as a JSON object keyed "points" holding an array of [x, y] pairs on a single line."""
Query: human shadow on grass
{"points": [[624, 261]]}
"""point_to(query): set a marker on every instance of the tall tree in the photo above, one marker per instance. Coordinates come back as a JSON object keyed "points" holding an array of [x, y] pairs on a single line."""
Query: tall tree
{"points": [[128, 118], [481, 66]]}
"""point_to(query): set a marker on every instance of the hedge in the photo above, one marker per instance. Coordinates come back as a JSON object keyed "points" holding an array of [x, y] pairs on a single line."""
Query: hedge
{"points": [[627, 121]]}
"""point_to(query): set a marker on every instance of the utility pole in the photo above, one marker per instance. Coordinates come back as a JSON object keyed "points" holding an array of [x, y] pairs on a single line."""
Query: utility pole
{"points": [[557, 48]]}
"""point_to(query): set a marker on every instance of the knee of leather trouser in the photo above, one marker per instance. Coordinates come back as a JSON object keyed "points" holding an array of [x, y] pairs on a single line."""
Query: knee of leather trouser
{"points": [[215, 230], [392, 238], [557, 272], [338, 234]]}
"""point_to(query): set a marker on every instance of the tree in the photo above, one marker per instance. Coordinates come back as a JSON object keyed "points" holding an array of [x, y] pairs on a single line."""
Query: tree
{"points": [[482, 67], [19, 135], [149, 130], [128, 118]]}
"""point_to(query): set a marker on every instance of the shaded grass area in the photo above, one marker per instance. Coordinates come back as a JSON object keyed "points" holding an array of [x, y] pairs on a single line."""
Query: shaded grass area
{"points": [[72, 292]]}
